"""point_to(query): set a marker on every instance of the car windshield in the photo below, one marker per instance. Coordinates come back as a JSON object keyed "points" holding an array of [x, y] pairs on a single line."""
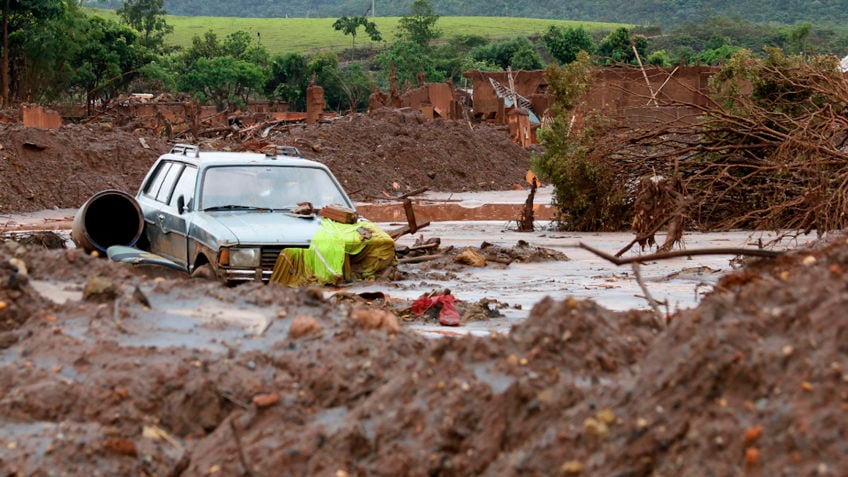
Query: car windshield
{"points": [[268, 187]]}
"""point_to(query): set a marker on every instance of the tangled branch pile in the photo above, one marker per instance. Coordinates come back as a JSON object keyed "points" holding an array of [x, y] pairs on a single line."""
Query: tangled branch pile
{"points": [[769, 151]]}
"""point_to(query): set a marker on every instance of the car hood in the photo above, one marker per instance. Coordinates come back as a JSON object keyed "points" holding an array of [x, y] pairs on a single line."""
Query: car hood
{"points": [[249, 228]]}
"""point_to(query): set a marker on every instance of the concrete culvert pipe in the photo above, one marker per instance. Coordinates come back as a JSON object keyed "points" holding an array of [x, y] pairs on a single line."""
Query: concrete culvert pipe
{"points": [[109, 217]]}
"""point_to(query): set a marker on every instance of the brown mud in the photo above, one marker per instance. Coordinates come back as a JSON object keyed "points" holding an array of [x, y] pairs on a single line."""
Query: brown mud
{"points": [[378, 156], [120, 379]]}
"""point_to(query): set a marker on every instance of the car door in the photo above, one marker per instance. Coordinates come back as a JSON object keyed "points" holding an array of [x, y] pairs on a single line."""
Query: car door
{"points": [[177, 217], [166, 225]]}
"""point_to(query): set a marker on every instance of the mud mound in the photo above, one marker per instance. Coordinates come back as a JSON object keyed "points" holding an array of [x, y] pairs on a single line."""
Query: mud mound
{"points": [[43, 169], [388, 153], [753, 381], [395, 151], [18, 301]]}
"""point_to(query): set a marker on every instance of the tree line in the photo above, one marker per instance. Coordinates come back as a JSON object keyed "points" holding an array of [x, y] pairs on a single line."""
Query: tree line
{"points": [[664, 13], [54, 52]]}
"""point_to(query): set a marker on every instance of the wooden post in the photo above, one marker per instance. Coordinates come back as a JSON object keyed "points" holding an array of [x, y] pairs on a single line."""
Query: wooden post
{"points": [[647, 81]]}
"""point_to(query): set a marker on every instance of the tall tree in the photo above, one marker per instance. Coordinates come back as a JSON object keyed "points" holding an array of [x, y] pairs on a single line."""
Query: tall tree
{"points": [[349, 26], [288, 80], [223, 80], [420, 26], [618, 47], [410, 62], [344, 88], [148, 18], [50, 57], [517, 53], [565, 42], [109, 58], [224, 73], [21, 17]]}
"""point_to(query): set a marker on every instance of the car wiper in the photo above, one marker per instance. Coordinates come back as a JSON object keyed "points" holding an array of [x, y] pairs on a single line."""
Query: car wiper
{"points": [[235, 207]]}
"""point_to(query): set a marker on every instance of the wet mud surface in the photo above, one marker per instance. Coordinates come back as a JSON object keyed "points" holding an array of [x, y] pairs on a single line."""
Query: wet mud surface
{"points": [[140, 371], [110, 370]]}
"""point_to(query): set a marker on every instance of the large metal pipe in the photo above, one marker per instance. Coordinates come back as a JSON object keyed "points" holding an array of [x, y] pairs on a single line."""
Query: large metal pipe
{"points": [[109, 217]]}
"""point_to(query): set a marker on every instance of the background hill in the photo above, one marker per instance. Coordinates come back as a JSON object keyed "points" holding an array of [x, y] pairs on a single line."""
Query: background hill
{"points": [[308, 35], [655, 12]]}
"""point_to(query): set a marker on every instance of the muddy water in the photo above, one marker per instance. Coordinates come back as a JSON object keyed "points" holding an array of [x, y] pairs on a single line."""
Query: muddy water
{"points": [[676, 283], [174, 319], [447, 212], [447, 207]]}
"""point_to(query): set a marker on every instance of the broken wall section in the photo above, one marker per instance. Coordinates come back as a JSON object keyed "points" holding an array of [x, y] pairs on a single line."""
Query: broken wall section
{"points": [[631, 95], [643, 97], [515, 98], [433, 100], [442, 100], [38, 117]]}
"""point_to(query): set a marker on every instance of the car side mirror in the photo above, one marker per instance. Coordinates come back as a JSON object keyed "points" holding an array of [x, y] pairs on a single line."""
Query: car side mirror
{"points": [[181, 207]]}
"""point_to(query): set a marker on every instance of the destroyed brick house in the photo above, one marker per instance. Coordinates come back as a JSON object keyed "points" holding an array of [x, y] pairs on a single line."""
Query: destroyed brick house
{"points": [[517, 99], [633, 95]]}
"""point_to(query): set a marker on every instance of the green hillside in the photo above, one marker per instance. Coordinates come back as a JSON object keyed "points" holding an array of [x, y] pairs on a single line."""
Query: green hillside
{"points": [[284, 35]]}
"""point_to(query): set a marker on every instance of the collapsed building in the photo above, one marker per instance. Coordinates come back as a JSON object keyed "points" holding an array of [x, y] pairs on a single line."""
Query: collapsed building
{"points": [[632, 95], [516, 99], [520, 100]]}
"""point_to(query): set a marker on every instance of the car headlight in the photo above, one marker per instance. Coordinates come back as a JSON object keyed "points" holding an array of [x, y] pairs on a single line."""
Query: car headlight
{"points": [[241, 257]]}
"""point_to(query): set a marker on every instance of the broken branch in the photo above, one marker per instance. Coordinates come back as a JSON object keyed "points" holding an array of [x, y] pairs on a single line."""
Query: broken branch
{"points": [[422, 258], [240, 450], [651, 301], [754, 252]]}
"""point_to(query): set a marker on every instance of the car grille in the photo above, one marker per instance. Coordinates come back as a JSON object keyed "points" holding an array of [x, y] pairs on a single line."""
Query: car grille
{"points": [[270, 254], [269, 257]]}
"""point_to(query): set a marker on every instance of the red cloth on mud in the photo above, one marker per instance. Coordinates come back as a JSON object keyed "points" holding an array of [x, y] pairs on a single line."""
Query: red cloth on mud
{"points": [[448, 316]]}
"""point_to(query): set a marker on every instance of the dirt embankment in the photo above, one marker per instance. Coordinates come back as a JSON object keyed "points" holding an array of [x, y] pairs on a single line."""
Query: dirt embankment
{"points": [[44, 169], [396, 151], [752, 382], [385, 154]]}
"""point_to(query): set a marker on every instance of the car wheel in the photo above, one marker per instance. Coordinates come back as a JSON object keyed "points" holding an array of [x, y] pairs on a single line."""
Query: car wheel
{"points": [[208, 272], [205, 271]]}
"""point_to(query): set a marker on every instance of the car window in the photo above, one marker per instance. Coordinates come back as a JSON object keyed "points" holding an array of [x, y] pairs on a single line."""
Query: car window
{"points": [[185, 186], [167, 187], [151, 189], [272, 187]]}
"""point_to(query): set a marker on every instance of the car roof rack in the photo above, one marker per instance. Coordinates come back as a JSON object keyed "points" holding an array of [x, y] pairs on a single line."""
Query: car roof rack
{"points": [[186, 149], [277, 150]]}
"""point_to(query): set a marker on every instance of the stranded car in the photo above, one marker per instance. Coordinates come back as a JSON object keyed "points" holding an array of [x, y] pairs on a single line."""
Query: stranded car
{"points": [[233, 211]]}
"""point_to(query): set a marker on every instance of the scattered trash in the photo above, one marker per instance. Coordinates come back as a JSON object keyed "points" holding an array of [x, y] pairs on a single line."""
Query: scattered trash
{"points": [[442, 303]]}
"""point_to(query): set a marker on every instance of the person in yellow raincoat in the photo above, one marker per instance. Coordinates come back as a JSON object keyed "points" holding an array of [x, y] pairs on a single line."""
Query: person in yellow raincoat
{"points": [[338, 252]]}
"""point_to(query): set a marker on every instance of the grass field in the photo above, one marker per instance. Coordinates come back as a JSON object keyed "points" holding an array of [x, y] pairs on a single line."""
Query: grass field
{"points": [[308, 35]]}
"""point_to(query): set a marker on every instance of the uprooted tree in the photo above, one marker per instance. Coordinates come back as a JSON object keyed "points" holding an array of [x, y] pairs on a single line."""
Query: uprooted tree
{"points": [[769, 151], [772, 153]]}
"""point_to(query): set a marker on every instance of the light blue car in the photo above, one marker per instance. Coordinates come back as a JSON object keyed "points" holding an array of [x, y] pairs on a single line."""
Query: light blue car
{"points": [[233, 212]]}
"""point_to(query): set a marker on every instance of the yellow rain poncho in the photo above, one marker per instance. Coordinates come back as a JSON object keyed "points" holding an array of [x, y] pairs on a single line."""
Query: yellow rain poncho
{"points": [[338, 252]]}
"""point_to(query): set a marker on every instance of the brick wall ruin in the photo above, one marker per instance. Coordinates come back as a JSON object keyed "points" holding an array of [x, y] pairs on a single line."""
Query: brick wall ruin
{"points": [[38, 117], [628, 94], [621, 93]]}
